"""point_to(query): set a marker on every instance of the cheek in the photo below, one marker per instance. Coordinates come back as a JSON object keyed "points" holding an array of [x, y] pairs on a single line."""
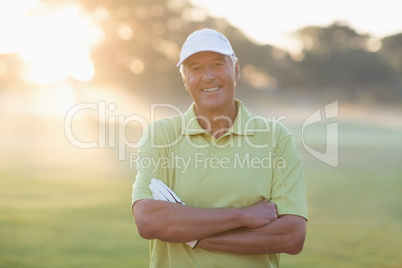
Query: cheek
{"points": [[191, 83]]}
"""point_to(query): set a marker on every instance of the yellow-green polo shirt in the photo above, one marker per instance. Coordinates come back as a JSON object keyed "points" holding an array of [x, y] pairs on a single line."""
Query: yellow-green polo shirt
{"points": [[256, 158]]}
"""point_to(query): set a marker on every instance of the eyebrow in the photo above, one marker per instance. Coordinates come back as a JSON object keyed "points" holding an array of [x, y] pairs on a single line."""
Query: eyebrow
{"points": [[218, 58]]}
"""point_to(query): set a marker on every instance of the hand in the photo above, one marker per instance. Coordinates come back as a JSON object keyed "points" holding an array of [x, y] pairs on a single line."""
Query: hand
{"points": [[260, 214], [161, 191]]}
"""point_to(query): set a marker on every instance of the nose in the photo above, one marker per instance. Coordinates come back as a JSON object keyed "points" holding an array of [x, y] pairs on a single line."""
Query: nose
{"points": [[208, 75]]}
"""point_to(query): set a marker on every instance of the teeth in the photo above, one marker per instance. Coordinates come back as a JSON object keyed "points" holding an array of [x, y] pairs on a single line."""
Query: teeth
{"points": [[211, 89]]}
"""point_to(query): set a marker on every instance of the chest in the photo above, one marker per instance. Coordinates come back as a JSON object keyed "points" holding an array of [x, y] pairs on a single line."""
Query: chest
{"points": [[230, 174]]}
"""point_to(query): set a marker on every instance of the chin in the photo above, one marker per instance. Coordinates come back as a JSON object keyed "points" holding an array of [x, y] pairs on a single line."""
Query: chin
{"points": [[212, 104]]}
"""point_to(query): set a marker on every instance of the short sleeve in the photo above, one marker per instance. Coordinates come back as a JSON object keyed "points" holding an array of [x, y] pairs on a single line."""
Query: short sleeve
{"points": [[288, 185], [148, 162]]}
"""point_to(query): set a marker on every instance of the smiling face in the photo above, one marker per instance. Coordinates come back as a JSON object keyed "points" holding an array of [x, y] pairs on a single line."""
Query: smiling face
{"points": [[210, 78]]}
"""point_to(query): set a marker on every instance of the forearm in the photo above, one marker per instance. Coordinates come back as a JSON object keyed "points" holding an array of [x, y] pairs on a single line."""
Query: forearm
{"points": [[172, 222], [284, 235]]}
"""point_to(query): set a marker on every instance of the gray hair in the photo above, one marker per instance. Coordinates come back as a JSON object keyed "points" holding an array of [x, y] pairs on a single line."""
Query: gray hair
{"points": [[233, 58]]}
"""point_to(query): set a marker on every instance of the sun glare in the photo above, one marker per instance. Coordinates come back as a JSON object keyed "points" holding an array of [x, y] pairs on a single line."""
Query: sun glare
{"points": [[54, 40]]}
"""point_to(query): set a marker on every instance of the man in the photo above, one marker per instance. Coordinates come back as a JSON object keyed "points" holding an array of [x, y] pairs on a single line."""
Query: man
{"points": [[240, 176]]}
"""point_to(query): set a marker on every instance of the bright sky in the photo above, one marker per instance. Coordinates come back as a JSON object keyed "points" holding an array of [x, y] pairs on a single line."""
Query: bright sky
{"points": [[55, 40], [271, 22]]}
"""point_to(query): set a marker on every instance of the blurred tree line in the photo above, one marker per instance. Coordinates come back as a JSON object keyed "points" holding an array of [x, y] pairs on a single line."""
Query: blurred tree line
{"points": [[143, 40]]}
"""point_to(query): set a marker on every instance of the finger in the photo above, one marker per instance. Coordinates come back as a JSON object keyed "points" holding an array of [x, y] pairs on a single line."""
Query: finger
{"points": [[173, 194], [156, 193], [164, 192], [167, 191]]}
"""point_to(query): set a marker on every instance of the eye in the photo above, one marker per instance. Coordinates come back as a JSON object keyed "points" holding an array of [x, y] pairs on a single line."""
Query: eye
{"points": [[196, 68]]}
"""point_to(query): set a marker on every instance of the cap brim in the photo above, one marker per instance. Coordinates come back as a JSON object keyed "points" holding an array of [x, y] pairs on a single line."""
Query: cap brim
{"points": [[220, 51]]}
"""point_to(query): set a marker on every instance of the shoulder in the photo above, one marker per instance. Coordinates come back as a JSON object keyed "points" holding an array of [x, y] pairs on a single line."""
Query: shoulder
{"points": [[166, 130], [280, 129], [273, 126]]}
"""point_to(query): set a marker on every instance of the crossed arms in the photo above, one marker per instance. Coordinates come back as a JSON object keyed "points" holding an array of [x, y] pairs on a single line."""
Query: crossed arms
{"points": [[250, 230]]}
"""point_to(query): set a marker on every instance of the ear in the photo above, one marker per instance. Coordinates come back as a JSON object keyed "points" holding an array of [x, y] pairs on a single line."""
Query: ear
{"points": [[185, 83], [237, 71], [183, 77]]}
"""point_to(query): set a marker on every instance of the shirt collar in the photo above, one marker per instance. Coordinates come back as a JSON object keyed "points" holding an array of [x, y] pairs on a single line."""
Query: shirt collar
{"points": [[242, 125]]}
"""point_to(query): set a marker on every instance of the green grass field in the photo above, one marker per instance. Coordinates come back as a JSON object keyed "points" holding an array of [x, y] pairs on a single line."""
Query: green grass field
{"points": [[76, 218]]}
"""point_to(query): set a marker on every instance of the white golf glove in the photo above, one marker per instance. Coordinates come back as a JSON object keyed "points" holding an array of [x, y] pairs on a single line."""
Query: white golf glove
{"points": [[161, 191]]}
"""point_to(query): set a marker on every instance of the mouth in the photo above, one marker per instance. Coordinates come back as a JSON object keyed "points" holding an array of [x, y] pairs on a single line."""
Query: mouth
{"points": [[211, 89]]}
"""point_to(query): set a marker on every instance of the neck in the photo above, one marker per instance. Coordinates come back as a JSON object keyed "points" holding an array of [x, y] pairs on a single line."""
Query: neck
{"points": [[217, 122]]}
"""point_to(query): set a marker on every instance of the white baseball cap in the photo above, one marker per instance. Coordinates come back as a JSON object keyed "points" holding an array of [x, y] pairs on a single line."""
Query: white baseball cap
{"points": [[205, 40]]}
